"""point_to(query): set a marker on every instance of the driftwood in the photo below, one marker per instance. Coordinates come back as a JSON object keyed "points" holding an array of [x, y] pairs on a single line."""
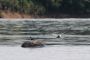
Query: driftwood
{"points": [[34, 43]]}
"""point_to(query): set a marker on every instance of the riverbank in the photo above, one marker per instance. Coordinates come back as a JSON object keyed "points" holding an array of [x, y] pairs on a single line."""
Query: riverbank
{"points": [[9, 14]]}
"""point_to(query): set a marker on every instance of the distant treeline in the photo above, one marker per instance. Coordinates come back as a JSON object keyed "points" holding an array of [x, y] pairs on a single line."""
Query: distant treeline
{"points": [[46, 6]]}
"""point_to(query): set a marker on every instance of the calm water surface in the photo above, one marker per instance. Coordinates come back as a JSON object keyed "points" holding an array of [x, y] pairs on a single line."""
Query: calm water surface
{"points": [[46, 53]]}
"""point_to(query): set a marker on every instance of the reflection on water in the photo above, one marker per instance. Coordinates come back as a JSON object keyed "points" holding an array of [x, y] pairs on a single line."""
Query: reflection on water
{"points": [[72, 31]]}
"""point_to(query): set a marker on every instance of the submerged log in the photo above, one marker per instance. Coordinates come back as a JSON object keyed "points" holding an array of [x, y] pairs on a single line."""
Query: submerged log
{"points": [[32, 44]]}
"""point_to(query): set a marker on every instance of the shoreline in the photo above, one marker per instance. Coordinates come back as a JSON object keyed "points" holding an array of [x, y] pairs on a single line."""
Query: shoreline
{"points": [[44, 19], [17, 15]]}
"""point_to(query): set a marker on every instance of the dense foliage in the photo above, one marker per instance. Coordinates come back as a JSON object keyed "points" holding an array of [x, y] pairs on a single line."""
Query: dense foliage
{"points": [[46, 6]]}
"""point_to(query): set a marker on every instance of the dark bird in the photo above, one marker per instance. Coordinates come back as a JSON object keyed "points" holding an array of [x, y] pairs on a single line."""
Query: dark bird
{"points": [[58, 36], [30, 38]]}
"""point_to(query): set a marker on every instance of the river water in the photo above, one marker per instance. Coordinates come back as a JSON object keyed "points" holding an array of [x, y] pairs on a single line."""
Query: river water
{"points": [[74, 43], [45, 53]]}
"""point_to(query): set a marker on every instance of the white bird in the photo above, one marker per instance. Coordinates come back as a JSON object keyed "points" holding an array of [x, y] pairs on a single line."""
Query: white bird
{"points": [[57, 35]]}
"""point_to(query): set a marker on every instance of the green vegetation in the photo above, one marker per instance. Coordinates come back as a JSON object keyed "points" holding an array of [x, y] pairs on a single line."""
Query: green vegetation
{"points": [[39, 7]]}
